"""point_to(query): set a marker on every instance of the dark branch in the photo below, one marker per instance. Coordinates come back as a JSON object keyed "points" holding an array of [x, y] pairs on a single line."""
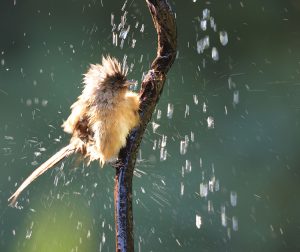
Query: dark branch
{"points": [[151, 88]]}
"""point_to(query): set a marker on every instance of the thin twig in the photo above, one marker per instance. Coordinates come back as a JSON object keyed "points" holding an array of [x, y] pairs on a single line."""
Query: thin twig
{"points": [[151, 88]]}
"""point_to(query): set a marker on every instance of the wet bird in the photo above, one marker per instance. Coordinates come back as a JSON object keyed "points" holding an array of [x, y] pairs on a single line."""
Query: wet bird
{"points": [[100, 119]]}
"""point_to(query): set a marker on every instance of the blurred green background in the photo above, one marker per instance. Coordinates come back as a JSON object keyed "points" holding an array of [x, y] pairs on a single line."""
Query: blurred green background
{"points": [[239, 176]]}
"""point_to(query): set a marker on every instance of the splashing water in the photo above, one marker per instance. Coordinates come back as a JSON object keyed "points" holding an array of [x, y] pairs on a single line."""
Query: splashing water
{"points": [[204, 43]]}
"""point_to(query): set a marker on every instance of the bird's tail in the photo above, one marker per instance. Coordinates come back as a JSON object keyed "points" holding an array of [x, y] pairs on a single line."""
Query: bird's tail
{"points": [[57, 157]]}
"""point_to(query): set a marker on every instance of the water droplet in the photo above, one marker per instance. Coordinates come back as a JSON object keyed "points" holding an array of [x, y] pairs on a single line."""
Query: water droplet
{"points": [[217, 185], [155, 126], [28, 102], [112, 19], [44, 103], [115, 39], [124, 64], [213, 25], [236, 97], [204, 107], [123, 19], [79, 225], [133, 43], [103, 238], [56, 180], [181, 188], [124, 32], [235, 224], [170, 110], [163, 154], [37, 153], [211, 184], [198, 221], [158, 115], [187, 111], [28, 234], [206, 14], [195, 98], [124, 5], [34, 163], [233, 198], [231, 83], [188, 166], [203, 190], [223, 38], [229, 233], [202, 44], [142, 28], [192, 136], [183, 147], [154, 144], [214, 54], [164, 141], [178, 242], [210, 122], [122, 44], [223, 216], [203, 25], [10, 138], [210, 206]]}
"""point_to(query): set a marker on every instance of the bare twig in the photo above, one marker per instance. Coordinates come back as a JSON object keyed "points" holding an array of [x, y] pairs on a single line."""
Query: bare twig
{"points": [[152, 86]]}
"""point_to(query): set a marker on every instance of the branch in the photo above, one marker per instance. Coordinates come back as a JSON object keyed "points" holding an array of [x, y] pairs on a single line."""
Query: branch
{"points": [[151, 88]]}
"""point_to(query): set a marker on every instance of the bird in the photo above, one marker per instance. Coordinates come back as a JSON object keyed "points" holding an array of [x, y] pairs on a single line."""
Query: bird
{"points": [[101, 118]]}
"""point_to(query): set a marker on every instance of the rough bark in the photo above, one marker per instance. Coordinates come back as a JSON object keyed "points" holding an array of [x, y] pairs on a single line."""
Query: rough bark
{"points": [[151, 88]]}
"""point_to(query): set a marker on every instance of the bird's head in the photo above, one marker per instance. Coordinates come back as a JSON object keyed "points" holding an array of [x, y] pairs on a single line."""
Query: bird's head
{"points": [[108, 75]]}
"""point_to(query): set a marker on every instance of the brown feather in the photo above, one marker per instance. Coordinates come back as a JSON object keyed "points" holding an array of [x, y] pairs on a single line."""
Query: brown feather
{"points": [[100, 119]]}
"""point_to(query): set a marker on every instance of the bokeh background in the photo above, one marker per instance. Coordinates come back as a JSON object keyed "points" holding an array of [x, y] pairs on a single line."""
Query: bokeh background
{"points": [[218, 166]]}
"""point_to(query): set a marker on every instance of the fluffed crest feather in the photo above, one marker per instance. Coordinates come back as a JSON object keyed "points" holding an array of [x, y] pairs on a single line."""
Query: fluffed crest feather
{"points": [[109, 72]]}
